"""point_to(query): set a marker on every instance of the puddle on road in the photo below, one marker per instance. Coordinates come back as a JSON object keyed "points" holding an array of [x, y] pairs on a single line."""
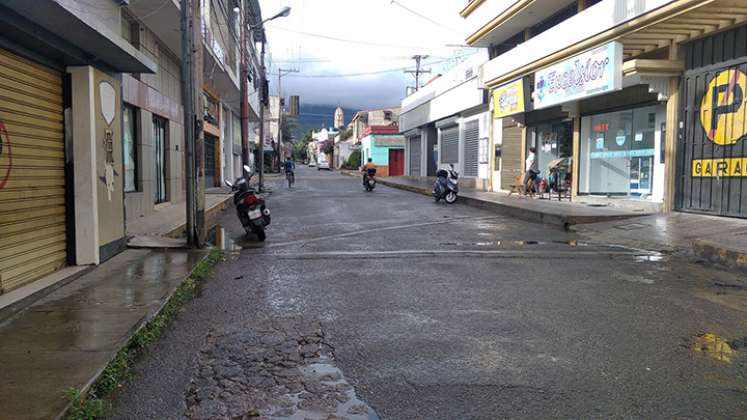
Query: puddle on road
{"points": [[633, 278], [513, 243], [348, 406], [219, 237]]}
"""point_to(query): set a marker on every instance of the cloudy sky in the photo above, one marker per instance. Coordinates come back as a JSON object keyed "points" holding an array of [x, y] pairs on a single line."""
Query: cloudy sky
{"points": [[352, 52]]}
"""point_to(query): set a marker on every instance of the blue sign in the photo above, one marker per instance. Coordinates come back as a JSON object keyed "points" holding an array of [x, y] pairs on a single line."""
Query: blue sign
{"points": [[612, 154]]}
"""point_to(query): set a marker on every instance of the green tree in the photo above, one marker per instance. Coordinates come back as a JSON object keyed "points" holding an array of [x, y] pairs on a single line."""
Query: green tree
{"points": [[354, 161], [300, 147]]}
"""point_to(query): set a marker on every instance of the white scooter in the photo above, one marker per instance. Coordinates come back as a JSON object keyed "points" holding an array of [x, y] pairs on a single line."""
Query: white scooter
{"points": [[446, 186]]}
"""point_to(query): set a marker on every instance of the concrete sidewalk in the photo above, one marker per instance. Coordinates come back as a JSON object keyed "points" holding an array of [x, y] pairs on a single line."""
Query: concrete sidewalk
{"points": [[720, 240], [67, 338], [170, 220], [551, 212]]}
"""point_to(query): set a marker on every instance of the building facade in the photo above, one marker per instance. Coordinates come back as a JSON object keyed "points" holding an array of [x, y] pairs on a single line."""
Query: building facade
{"points": [[91, 134], [386, 148], [599, 88], [446, 122]]}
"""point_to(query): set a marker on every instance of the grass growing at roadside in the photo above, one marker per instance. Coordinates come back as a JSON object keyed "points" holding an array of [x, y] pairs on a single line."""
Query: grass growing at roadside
{"points": [[93, 404]]}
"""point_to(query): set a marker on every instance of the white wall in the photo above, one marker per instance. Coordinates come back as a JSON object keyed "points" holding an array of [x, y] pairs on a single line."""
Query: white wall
{"points": [[592, 21]]}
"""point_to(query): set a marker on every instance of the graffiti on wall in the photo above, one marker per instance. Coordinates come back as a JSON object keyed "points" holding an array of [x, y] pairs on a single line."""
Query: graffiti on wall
{"points": [[6, 155], [108, 110]]}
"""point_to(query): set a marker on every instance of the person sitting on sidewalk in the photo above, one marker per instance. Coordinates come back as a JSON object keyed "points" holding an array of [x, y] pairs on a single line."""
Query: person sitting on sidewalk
{"points": [[532, 169]]}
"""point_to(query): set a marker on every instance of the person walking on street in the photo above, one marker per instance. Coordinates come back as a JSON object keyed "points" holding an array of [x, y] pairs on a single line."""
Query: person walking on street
{"points": [[532, 169]]}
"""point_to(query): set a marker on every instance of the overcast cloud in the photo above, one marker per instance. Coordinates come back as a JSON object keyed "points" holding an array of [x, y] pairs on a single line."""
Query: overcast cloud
{"points": [[397, 33]]}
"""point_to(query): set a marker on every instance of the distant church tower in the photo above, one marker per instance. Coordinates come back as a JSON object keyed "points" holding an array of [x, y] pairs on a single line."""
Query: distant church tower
{"points": [[339, 117]]}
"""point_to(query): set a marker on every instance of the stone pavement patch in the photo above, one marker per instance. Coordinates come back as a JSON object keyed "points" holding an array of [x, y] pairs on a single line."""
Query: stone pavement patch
{"points": [[276, 370]]}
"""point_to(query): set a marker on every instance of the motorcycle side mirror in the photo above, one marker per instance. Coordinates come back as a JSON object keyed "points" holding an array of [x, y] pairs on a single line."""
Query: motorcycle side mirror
{"points": [[247, 169], [451, 165], [228, 183]]}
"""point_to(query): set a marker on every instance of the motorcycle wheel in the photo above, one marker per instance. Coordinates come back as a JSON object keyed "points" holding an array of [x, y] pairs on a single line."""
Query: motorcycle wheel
{"points": [[451, 197], [261, 235]]}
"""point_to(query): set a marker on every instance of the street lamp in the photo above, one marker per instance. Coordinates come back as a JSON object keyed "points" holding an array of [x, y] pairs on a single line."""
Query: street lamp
{"points": [[263, 77]]}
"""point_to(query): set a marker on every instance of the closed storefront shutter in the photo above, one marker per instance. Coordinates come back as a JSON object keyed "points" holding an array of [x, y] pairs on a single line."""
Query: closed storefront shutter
{"points": [[415, 155], [450, 145], [510, 154], [471, 148], [32, 171]]}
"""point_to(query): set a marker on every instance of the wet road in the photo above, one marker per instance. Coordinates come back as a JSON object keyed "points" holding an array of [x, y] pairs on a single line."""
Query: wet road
{"points": [[449, 312]]}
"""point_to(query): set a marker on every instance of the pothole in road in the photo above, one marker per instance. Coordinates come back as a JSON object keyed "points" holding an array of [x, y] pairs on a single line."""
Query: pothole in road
{"points": [[277, 370]]}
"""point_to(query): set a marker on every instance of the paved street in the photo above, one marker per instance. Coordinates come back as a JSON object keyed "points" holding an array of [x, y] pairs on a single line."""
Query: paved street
{"points": [[442, 312]]}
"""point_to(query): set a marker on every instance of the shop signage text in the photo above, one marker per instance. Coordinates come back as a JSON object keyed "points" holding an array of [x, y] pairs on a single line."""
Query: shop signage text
{"points": [[509, 99], [594, 72], [727, 167], [611, 154], [722, 108]]}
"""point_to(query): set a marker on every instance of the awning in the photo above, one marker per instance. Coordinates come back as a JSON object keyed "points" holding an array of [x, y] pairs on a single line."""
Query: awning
{"points": [[71, 36]]}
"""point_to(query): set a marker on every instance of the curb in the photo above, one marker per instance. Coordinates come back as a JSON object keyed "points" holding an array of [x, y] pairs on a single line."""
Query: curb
{"points": [[210, 216], [529, 215]]}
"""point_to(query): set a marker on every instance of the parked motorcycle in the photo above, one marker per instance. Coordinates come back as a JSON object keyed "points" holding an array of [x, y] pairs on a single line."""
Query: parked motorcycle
{"points": [[250, 206], [446, 186], [369, 180]]}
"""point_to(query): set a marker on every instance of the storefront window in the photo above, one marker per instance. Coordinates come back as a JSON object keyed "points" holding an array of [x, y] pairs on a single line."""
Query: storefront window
{"points": [[552, 141], [617, 152]]}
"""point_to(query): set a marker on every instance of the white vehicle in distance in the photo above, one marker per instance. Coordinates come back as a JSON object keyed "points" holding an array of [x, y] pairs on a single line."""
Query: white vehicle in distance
{"points": [[323, 165]]}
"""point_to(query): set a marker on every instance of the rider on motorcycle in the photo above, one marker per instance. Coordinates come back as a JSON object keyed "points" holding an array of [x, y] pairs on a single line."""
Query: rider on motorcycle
{"points": [[368, 168], [289, 166]]}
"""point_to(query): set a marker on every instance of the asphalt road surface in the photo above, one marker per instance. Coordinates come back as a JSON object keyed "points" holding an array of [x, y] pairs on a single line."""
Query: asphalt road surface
{"points": [[444, 312]]}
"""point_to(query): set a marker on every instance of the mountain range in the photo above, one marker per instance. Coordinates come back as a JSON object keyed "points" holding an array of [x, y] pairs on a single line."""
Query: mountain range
{"points": [[315, 116]]}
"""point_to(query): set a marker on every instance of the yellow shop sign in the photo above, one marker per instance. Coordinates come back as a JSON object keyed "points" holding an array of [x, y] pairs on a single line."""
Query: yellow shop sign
{"points": [[725, 167], [509, 99], [722, 109]]}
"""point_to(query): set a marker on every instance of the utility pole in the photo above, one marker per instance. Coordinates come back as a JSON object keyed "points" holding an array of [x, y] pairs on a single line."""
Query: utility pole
{"points": [[244, 33], [189, 145], [418, 71], [262, 104], [198, 121]]}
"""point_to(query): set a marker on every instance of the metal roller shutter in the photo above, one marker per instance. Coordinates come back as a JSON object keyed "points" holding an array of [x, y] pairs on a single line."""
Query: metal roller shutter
{"points": [[450, 145], [511, 165], [471, 148], [415, 155], [32, 171]]}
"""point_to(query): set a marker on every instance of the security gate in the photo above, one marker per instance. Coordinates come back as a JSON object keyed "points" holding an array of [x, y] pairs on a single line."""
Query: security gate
{"points": [[413, 146], [471, 148], [712, 143], [450, 144], [32, 171]]}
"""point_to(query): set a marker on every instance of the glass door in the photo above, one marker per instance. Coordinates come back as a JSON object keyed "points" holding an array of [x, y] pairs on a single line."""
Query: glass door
{"points": [[617, 152]]}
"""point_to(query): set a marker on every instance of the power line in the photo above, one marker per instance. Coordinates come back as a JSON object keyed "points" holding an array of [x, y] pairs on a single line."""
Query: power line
{"points": [[353, 41], [426, 18], [370, 73], [418, 70]]}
